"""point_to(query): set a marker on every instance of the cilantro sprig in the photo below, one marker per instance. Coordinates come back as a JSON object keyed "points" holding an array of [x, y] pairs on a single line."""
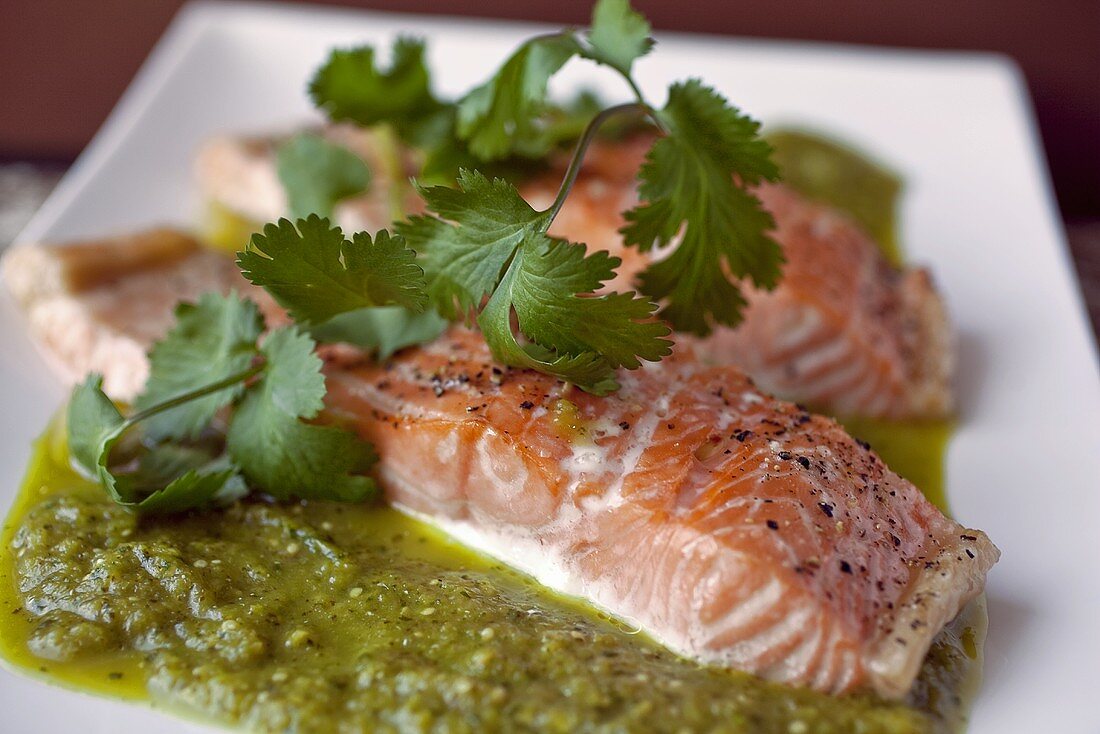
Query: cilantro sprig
{"points": [[172, 455], [695, 185], [317, 174], [317, 274], [478, 243], [483, 241]]}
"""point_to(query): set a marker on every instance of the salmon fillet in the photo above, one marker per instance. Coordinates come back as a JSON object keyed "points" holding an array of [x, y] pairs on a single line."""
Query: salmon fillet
{"points": [[737, 529], [844, 331], [97, 305]]}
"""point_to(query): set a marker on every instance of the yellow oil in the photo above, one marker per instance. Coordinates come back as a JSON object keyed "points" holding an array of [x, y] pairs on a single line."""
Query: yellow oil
{"points": [[224, 230], [916, 450]]}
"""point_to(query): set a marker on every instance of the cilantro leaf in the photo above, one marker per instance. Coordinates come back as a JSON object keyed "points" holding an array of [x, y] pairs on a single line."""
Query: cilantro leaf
{"points": [[317, 174], [382, 330], [158, 485], [210, 341], [173, 478], [195, 489], [619, 35], [316, 274], [94, 425], [483, 239], [276, 449], [492, 117], [578, 339], [693, 186], [464, 264], [351, 86]]}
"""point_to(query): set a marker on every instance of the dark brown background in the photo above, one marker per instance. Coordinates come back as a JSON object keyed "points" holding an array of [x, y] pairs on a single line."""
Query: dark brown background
{"points": [[63, 63]]}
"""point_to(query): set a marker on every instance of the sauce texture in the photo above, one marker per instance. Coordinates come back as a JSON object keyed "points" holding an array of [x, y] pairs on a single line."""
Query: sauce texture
{"points": [[314, 617]]}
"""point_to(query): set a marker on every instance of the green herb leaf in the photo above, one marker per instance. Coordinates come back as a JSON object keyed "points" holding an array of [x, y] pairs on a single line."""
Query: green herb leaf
{"points": [[210, 341], [693, 186], [317, 174], [382, 330], [464, 263], [94, 425], [351, 86], [316, 274], [158, 485], [267, 441], [619, 35], [485, 240], [276, 449], [173, 478], [578, 339], [492, 117]]}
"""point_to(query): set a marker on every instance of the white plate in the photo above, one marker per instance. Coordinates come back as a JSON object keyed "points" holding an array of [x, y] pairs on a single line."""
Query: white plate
{"points": [[1025, 463]]}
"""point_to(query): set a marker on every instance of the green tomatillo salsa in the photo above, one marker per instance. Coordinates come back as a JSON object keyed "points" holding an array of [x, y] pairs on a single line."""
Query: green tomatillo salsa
{"points": [[330, 617]]}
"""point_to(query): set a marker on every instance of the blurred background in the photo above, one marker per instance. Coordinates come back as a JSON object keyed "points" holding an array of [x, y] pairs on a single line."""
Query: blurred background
{"points": [[64, 63]]}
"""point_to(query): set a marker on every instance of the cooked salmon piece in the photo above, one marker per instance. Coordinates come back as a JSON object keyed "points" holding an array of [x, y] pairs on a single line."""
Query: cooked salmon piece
{"points": [[737, 529], [844, 331], [96, 306]]}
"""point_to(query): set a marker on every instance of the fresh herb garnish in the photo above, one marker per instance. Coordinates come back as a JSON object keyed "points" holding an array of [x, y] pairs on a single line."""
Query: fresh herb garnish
{"points": [[689, 192], [619, 35], [224, 411], [279, 452], [317, 174], [316, 274], [209, 362], [484, 240], [496, 115], [695, 203], [352, 87]]}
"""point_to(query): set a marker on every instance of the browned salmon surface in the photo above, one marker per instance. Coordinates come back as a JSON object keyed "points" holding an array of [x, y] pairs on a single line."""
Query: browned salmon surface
{"points": [[97, 305], [844, 331]]}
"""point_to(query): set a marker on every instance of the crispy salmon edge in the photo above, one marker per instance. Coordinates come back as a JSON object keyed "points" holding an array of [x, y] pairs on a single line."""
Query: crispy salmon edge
{"points": [[940, 592], [935, 353]]}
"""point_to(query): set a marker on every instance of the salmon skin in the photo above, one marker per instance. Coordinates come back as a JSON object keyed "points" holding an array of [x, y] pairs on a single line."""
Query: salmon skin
{"points": [[735, 528], [844, 331]]}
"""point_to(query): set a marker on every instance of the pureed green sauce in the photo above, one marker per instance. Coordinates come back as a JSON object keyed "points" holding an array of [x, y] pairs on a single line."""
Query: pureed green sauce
{"points": [[319, 617], [323, 617]]}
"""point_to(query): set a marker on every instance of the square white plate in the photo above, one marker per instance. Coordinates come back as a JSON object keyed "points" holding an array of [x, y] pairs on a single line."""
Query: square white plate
{"points": [[1025, 463]]}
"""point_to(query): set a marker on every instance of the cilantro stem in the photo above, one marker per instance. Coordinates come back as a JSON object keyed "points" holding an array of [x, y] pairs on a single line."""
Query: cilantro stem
{"points": [[581, 148], [641, 100], [195, 394], [392, 161]]}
